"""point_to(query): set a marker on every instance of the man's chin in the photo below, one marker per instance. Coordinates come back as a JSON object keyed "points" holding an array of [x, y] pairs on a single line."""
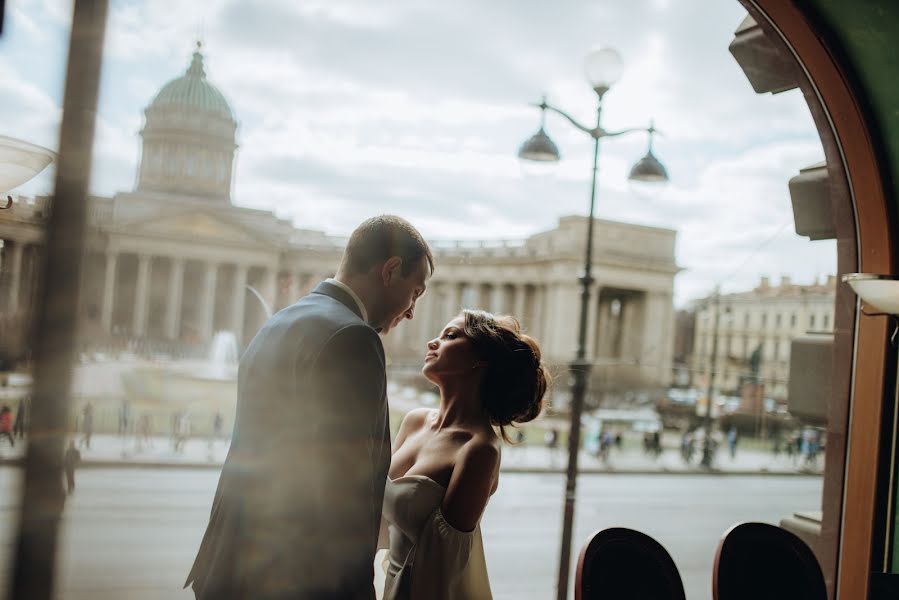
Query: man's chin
{"points": [[385, 329]]}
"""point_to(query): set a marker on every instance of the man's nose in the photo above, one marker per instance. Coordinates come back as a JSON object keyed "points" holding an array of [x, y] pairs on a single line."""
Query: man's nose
{"points": [[410, 313]]}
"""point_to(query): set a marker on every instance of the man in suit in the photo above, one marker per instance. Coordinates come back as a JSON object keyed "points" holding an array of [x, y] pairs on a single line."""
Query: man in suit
{"points": [[298, 506]]}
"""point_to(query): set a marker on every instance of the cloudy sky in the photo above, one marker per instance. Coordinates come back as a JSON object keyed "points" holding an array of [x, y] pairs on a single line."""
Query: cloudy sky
{"points": [[349, 108]]}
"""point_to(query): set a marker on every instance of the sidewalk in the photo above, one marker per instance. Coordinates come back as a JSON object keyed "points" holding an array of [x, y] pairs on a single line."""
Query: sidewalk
{"points": [[527, 459], [123, 452]]}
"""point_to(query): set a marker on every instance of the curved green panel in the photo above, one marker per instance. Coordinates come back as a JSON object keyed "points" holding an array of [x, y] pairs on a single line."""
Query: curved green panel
{"points": [[865, 34]]}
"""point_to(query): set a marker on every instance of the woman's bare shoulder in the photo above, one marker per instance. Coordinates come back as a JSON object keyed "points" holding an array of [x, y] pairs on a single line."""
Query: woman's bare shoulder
{"points": [[483, 444], [413, 421], [416, 418]]}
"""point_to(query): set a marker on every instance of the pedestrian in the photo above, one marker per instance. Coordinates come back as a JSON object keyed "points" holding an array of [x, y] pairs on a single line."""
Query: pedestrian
{"points": [[811, 446], [732, 438], [69, 461], [182, 430], [218, 424], [144, 431], [18, 428], [790, 447], [606, 439], [657, 443], [686, 446], [87, 425], [520, 445], [6, 424], [124, 418], [176, 431], [551, 440]]}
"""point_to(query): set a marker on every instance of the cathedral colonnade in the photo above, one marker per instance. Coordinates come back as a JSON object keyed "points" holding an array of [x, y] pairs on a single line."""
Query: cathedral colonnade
{"points": [[181, 296], [178, 298], [20, 263], [625, 326]]}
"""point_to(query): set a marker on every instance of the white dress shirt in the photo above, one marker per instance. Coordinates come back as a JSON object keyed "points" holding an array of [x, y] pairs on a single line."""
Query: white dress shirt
{"points": [[352, 294]]}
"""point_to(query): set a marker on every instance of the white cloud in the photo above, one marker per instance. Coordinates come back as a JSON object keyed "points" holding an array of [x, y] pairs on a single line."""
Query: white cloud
{"points": [[353, 108]]}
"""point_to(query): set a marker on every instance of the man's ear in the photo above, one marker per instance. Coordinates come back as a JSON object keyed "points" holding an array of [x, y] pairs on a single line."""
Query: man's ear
{"points": [[391, 270]]}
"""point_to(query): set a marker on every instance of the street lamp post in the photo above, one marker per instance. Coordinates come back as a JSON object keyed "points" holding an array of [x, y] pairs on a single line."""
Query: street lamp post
{"points": [[603, 68], [708, 450], [710, 389]]}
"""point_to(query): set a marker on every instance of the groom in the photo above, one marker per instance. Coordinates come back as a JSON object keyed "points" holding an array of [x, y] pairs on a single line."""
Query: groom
{"points": [[298, 505]]}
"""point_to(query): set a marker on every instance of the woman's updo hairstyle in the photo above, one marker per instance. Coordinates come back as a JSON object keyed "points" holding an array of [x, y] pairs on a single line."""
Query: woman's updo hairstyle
{"points": [[515, 379]]}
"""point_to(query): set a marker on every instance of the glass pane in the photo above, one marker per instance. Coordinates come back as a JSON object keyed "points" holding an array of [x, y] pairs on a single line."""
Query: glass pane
{"points": [[229, 175]]}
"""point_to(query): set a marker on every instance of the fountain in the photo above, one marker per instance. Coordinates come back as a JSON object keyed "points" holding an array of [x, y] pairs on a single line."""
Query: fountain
{"points": [[223, 356], [203, 385], [207, 386]]}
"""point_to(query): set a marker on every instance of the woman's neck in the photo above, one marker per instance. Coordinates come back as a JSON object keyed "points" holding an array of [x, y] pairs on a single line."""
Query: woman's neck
{"points": [[460, 405]]}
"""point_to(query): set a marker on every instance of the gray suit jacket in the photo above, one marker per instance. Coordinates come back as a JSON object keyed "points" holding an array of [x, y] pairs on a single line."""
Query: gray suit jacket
{"points": [[298, 505]]}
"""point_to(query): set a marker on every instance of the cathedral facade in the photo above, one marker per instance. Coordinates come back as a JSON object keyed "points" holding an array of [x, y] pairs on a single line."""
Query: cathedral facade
{"points": [[173, 261]]}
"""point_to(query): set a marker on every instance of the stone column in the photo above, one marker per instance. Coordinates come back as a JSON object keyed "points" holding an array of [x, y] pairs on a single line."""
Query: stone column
{"points": [[496, 298], [518, 303], [548, 311], [35, 276], [108, 291], [537, 313], [269, 289], [207, 304], [15, 274], [633, 326], [564, 319], [176, 288], [458, 290], [658, 336], [593, 322], [293, 293], [141, 296], [425, 328], [239, 301]]}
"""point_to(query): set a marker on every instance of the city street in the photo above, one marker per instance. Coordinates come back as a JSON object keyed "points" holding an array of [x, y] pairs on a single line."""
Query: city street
{"points": [[131, 534]]}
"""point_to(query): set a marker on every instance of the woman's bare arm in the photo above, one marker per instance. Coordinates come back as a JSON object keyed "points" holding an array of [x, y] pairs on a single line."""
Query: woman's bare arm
{"points": [[472, 482]]}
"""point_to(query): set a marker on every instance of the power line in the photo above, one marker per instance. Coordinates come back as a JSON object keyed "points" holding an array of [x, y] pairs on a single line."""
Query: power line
{"points": [[752, 254]]}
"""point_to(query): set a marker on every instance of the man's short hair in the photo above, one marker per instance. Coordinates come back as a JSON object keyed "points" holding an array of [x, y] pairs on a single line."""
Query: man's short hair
{"points": [[379, 238]]}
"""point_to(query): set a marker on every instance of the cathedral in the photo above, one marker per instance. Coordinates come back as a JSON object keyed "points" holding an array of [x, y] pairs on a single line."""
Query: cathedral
{"points": [[175, 260]]}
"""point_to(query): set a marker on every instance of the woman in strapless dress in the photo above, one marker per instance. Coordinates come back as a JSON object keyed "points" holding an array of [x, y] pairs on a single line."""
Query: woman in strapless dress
{"points": [[445, 463]]}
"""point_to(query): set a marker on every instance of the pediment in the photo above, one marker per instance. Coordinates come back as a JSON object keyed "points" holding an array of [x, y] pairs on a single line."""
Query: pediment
{"points": [[199, 226]]}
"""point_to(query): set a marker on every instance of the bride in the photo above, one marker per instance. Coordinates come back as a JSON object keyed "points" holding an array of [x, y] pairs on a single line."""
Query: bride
{"points": [[445, 463]]}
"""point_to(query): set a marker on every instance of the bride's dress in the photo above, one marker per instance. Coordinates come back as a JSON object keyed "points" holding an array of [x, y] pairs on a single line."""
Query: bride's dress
{"points": [[428, 558]]}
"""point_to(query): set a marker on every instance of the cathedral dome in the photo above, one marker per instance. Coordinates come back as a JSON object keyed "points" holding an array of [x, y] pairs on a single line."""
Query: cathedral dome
{"points": [[193, 91], [189, 138]]}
